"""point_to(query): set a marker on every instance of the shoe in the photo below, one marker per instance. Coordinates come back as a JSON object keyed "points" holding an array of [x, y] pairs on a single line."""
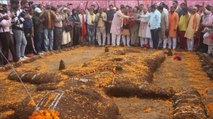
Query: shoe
{"points": [[21, 59], [24, 58], [30, 55], [41, 53]]}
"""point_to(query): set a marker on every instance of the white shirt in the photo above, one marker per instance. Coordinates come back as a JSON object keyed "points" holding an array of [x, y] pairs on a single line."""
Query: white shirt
{"points": [[155, 20], [145, 17], [89, 21], [81, 18], [18, 20], [5, 24], [101, 22]]}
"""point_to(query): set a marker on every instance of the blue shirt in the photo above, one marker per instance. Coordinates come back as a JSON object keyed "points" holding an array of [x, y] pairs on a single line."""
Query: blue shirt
{"points": [[155, 20]]}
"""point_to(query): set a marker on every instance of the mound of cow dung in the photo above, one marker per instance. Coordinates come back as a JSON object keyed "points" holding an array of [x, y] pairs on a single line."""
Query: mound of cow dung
{"points": [[207, 64], [34, 77], [144, 91], [188, 105], [72, 102], [138, 71]]}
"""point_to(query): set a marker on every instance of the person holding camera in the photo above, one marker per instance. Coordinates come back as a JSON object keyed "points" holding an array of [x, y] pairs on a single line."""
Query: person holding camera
{"points": [[18, 17], [5, 23]]}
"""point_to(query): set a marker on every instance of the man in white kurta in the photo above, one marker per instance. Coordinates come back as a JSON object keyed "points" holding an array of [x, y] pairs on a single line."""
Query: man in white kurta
{"points": [[144, 30], [116, 27], [193, 26], [101, 18]]}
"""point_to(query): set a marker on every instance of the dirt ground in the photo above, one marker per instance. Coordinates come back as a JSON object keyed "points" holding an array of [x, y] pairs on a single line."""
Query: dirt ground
{"points": [[180, 75]]}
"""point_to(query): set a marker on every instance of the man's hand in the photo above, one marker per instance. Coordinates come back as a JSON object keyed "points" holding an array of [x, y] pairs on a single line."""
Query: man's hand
{"points": [[27, 16], [6, 17], [12, 15], [100, 16], [131, 17]]}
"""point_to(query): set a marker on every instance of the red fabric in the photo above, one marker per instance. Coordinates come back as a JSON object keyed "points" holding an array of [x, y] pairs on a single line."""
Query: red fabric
{"points": [[181, 35], [131, 22], [83, 26], [211, 35]]}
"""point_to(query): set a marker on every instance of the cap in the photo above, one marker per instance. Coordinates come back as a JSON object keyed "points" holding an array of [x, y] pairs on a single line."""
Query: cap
{"points": [[38, 10]]}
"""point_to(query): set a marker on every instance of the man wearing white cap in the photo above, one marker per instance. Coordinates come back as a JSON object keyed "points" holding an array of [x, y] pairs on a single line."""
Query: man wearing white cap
{"points": [[38, 30]]}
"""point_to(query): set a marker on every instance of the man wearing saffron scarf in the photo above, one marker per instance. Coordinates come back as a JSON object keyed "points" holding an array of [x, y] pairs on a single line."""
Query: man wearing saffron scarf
{"points": [[182, 26], [91, 26], [82, 17], [116, 27], [173, 24], [193, 25]]}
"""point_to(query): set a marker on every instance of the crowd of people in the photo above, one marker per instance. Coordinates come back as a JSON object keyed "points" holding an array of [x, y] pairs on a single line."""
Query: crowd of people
{"points": [[28, 29]]}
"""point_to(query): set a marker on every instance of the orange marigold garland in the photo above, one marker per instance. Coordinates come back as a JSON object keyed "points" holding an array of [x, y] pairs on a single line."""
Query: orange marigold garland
{"points": [[45, 114]]}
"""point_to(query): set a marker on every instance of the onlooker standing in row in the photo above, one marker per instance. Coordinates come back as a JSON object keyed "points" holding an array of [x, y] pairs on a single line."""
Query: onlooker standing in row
{"points": [[182, 26], [58, 30], [82, 17], [192, 28], [164, 27], [155, 20], [38, 30], [134, 29], [173, 25], [208, 30], [5, 38], [110, 15], [91, 26], [126, 29], [101, 18], [17, 25], [116, 27], [67, 35], [144, 29], [28, 29], [76, 27], [48, 18]]}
